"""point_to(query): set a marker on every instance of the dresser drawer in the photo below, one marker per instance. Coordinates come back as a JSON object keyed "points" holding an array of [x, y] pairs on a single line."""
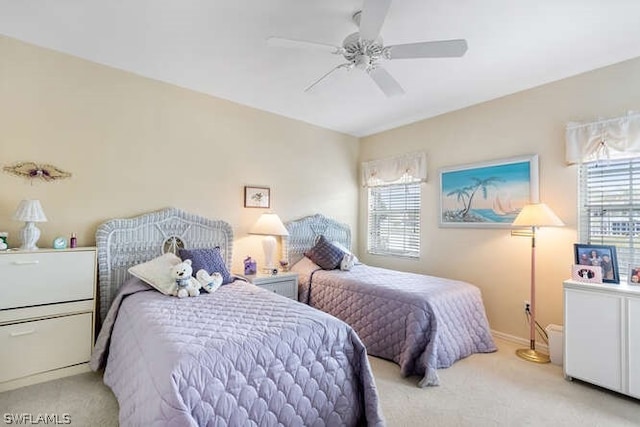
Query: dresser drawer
{"points": [[36, 278], [34, 347], [286, 288]]}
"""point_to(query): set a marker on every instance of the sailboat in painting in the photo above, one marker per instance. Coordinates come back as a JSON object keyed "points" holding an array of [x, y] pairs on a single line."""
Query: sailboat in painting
{"points": [[503, 206]]}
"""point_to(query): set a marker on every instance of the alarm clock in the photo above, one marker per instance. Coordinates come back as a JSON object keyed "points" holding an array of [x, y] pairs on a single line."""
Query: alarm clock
{"points": [[59, 243]]}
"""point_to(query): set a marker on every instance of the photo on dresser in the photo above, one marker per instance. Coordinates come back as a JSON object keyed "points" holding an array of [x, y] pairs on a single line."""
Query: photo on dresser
{"points": [[586, 273], [634, 276], [603, 256]]}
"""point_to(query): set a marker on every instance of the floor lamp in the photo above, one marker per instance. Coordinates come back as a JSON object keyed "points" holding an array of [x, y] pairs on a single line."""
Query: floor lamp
{"points": [[534, 215]]}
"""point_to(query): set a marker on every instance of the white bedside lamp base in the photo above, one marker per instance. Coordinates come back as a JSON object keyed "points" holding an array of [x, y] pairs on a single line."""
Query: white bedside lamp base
{"points": [[29, 235], [269, 247], [269, 225]]}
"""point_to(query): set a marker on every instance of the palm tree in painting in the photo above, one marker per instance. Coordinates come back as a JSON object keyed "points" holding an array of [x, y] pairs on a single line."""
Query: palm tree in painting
{"points": [[465, 195], [480, 184], [462, 195]]}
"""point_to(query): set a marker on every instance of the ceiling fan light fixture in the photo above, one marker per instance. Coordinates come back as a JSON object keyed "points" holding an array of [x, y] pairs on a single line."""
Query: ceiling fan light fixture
{"points": [[363, 62], [365, 49]]}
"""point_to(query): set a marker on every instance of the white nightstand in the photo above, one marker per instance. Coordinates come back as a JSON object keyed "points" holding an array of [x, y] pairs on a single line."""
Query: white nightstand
{"points": [[285, 284], [47, 311]]}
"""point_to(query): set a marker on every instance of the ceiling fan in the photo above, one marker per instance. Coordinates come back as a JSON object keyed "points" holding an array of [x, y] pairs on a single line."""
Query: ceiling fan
{"points": [[365, 49]]}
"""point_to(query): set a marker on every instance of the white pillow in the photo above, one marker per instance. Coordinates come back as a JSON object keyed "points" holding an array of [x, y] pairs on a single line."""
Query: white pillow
{"points": [[305, 265], [345, 250], [157, 272]]}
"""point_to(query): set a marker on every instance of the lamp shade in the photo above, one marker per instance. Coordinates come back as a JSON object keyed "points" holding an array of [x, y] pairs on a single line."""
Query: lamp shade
{"points": [[269, 224], [30, 211], [537, 215]]}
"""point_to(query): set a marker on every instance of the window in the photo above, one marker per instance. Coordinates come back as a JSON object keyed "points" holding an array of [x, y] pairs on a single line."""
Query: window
{"points": [[394, 220], [609, 211]]}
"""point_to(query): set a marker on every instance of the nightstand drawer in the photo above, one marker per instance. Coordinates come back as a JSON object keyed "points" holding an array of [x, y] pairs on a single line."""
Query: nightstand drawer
{"points": [[34, 347], [285, 288], [35, 278], [285, 283]]}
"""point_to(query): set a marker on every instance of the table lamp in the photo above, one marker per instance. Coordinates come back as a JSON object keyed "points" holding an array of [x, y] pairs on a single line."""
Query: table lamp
{"points": [[534, 216], [269, 225], [29, 211]]}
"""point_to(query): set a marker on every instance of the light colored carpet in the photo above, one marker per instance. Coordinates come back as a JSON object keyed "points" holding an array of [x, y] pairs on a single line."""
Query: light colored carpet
{"points": [[495, 389]]}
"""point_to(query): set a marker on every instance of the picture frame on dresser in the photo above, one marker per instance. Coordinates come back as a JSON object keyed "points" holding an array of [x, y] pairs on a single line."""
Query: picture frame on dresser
{"points": [[634, 276], [586, 273], [599, 255]]}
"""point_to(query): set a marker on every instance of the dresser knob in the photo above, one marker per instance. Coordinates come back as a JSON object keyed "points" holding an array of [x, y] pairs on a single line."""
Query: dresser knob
{"points": [[19, 334], [26, 262]]}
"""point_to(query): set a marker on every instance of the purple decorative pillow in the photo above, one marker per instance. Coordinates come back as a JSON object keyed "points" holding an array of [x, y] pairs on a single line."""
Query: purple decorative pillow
{"points": [[326, 255], [208, 259]]}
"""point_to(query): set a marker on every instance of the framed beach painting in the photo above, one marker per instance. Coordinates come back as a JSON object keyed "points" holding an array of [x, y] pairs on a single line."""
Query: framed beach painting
{"points": [[488, 194]]}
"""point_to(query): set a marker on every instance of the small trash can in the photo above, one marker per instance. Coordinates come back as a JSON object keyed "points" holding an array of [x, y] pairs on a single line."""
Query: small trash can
{"points": [[556, 343]]}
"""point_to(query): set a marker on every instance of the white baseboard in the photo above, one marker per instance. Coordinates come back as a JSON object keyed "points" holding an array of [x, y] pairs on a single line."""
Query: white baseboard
{"points": [[540, 345], [45, 376]]}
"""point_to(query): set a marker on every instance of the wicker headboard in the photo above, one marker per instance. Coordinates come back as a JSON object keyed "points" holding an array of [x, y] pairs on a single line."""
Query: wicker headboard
{"points": [[123, 243], [304, 232]]}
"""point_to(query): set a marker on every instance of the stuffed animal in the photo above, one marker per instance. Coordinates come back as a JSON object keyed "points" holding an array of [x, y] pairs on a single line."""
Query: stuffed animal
{"points": [[347, 263], [186, 284], [209, 282]]}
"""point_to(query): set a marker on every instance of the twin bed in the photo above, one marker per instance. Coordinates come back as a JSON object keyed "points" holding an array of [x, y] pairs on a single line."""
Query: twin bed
{"points": [[420, 322], [245, 356], [240, 356]]}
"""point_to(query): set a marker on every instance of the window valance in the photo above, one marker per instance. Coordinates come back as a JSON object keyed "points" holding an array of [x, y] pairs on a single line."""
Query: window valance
{"points": [[410, 167], [615, 138]]}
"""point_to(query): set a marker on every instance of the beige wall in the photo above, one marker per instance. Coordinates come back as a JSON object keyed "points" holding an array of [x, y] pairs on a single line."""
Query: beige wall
{"points": [[530, 122], [135, 145]]}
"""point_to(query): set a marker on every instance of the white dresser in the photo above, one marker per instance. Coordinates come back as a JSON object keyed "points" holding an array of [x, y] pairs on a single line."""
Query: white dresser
{"points": [[47, 311], [602, 335]]}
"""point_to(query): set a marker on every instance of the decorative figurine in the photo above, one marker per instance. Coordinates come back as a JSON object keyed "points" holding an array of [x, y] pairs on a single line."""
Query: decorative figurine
{"points": [[250, 266]]}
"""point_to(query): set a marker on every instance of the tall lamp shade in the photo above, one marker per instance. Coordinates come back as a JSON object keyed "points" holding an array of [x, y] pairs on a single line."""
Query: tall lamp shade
{"points": [[269, 225], [534, 215], [29, 211]]}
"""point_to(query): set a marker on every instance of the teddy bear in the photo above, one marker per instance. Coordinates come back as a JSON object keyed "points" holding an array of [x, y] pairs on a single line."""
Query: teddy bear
{"points": [[347, 262], [186, 284], [209, 282]]}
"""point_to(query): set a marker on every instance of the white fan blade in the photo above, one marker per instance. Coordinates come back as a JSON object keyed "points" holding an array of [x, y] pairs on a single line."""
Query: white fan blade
{"points": [[372, 17], [386, 82], [435, 49], [308, 88], [291, 43]]}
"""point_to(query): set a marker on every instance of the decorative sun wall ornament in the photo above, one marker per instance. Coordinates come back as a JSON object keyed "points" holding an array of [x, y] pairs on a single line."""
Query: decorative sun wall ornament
{"points": [[32, 171]]}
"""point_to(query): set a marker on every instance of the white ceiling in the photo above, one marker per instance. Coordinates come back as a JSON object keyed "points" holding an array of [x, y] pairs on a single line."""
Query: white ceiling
{"points": [[218, 47]]}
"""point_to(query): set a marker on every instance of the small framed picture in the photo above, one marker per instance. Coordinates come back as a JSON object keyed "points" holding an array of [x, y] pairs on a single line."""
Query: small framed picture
{"points": [[586, 273], [634, 276], [257, 197], [603, 256]]}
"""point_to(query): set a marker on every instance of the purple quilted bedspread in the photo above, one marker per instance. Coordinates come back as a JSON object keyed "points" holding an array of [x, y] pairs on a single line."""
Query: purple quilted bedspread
{"points": [[241, 356], [420, 322]]}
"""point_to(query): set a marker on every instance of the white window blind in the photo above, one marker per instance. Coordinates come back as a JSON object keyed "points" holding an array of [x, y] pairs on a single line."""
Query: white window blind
{"points": [[610, 208], [394, 220]]}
